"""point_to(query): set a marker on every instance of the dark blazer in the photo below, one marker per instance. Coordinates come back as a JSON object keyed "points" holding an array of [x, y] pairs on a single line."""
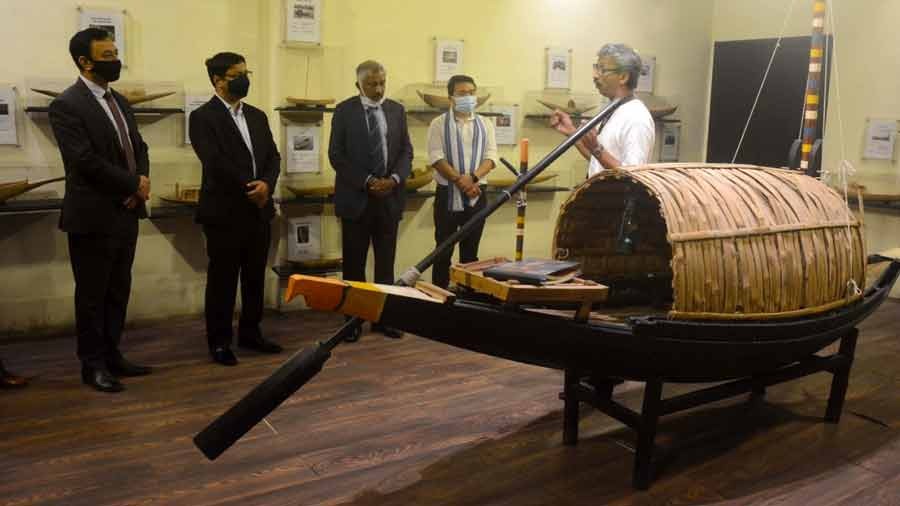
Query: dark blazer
{"points": [[97, 176], [227, 165], [349, 152]]}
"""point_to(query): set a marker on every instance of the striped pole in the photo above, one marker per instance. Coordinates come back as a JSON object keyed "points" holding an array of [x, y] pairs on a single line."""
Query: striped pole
{"points": [[813, 84], [521, 201]]}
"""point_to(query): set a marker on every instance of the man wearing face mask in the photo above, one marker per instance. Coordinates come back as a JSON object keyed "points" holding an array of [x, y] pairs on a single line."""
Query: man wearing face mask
{"points": [[107, 183], [462, 147], [627, 137], [241, 165], [372, 157]]}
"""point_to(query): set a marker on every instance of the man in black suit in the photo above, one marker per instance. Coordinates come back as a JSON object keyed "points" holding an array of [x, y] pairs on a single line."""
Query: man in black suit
{"points": [[240, 169], [372, 156], [107, 184]]}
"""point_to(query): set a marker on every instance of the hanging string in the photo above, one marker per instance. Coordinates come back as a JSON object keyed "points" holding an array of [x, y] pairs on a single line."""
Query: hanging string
{"points": [[845, 167], [765, 77]]}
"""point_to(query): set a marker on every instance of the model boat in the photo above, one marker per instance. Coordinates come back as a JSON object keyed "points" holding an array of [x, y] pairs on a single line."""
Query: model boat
{"points": [[16, 188], [310, 102], [133, 96], [187, 194], [443, 103], [570, 108]]}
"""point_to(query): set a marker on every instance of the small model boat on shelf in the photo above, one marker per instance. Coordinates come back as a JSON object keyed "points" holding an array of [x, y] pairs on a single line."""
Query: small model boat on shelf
{"points": [[443, 103], [16, 188], [310, 102], [571, 108], [188, 194], [134, 96]]}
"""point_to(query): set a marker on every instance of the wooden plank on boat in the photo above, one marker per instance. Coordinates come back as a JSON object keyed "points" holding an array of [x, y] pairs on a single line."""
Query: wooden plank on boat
{"points": [[575, 290]]}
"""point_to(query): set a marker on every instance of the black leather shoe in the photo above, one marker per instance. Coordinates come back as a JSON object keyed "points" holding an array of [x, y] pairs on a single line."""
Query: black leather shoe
{"points": [[354, 334], [9, 380], [387, 331], [259, 344], [223, 356], [122, 367], [101, 380]]}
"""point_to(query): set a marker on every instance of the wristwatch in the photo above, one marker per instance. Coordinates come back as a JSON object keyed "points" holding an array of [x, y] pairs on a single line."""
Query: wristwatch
{"points": [[597, 152]]}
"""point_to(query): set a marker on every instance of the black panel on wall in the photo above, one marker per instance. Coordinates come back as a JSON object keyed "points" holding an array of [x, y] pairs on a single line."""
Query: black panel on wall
{"points": [[738, 70]]}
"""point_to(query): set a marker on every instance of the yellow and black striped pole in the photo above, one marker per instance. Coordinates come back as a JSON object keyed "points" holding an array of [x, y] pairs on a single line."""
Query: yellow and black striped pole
{"points": [[521, 201], [813, 85]]}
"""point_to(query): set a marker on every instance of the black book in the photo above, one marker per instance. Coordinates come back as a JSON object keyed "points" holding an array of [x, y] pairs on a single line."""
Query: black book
{"points": [[531, 271]]}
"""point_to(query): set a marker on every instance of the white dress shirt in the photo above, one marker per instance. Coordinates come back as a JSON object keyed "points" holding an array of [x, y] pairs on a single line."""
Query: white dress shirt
{"points": [[99, 92], [628, 135], [466, 126], [237, 114]]}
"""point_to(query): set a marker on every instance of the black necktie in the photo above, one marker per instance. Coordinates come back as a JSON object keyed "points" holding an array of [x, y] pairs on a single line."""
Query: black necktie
{"points": [[376, 142]]}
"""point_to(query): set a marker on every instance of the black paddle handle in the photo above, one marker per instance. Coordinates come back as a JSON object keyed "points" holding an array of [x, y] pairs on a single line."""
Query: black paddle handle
{"points": [[250, 410]]}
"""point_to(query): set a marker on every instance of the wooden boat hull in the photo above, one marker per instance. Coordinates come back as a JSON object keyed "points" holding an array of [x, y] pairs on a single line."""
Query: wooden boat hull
{"points": [[643, 348]]}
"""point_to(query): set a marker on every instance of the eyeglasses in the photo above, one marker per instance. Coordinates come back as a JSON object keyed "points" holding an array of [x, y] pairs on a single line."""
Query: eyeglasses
{"points": [[247, 73], [600, 70]]}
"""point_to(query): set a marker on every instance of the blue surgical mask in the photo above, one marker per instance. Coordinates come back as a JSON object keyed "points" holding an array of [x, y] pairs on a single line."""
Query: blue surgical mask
{"points": [[465, 104]]}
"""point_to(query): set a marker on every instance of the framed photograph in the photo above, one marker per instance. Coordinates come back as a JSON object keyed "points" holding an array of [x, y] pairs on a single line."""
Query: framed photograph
{"points": [[110, 20], [302, 148], [505, 124], [880, 137], [671, 139], [8, 134], [303, 21], [304, 235], [648, 68], [559, 68], [448, 59]]}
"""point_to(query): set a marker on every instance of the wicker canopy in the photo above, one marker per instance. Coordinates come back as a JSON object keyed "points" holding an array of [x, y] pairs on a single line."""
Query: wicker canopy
{"points": [[730, 241]]}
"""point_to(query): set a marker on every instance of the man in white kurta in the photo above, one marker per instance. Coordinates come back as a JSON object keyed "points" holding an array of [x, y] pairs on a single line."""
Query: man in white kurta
{"points": [[462, 147]]}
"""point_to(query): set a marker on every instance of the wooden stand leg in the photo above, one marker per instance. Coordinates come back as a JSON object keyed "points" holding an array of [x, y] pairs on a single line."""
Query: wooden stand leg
{"points": [[643, 460], [570, 408], [841, 379]]}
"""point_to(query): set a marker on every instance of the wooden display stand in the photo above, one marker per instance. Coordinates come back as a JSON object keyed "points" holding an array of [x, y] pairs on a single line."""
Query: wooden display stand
{"points": [[574, 290]]}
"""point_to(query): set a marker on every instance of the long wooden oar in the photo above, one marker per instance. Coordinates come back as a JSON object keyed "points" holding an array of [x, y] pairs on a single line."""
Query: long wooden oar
{"points": [[305, 364]]}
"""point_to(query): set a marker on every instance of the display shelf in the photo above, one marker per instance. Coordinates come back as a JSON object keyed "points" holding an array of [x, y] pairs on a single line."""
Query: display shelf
{"points": [[138, 111], [30, 206]]}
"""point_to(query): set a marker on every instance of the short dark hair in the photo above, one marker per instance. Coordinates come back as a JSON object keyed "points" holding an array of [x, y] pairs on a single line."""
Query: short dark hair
{"points": [[459, 78], [80, 43], [219, 64]]}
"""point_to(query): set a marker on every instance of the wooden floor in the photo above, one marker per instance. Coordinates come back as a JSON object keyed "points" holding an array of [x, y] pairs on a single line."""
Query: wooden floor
{"points": [[413, 422]]}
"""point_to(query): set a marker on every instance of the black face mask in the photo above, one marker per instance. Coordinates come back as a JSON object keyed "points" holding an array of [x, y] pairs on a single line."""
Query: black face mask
{"points": [[239, 86], [108, 70]]}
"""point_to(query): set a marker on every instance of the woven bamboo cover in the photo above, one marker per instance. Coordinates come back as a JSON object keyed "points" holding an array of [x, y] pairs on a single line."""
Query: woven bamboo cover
{"points": [[742, 242]]}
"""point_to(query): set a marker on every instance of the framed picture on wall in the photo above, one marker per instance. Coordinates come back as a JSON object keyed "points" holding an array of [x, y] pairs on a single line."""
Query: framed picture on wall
{"points": [[303, 145], [303, 21], [110, 20], [448, 59], [671, 139], [648, 68], [8, 134], [559, 68], [304, 237]]}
